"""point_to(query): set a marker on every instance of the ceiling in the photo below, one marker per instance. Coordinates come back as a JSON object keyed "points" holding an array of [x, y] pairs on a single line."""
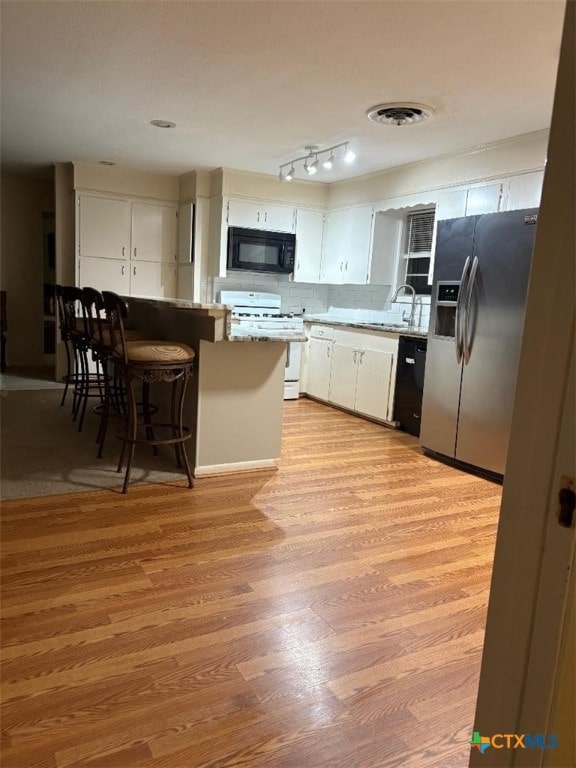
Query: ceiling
{"points": [[250, 83]]}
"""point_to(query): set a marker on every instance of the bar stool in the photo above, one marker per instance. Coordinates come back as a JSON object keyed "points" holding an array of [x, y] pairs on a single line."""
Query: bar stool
{"points": [[149, 361], [66, 309]]}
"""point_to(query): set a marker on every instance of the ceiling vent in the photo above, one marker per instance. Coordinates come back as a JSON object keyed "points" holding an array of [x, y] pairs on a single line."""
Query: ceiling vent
{"points": [[399, 114]]}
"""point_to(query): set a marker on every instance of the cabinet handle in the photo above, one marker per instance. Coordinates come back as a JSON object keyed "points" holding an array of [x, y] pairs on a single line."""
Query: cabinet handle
{"points": [[135, 251], [346, 267], [123, 251], [258, 216], [123, 270], [265, 215], [133, 270]]}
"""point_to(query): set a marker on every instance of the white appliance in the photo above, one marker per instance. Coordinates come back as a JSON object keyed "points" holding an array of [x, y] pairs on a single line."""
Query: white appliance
{"points": [[254, 314]]}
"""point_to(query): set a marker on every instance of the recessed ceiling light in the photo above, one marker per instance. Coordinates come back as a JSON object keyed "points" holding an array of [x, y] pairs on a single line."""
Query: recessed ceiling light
{"points": [[401, 113], [163, 123], [106, 162]]}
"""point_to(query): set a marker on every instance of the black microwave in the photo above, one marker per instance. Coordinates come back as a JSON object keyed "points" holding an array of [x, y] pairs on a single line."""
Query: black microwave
{"points": [[260, 251]]}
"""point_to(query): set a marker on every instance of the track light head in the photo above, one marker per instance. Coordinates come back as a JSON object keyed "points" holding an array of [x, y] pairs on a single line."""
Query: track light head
{"points": [[329, 162]]}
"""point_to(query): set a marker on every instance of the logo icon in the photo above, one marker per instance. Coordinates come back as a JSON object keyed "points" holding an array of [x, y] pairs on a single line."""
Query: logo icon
{"points": [[480, 742]]}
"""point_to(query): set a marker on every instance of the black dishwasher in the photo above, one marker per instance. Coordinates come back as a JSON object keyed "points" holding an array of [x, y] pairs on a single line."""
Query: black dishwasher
{"points": [[410, 383]]}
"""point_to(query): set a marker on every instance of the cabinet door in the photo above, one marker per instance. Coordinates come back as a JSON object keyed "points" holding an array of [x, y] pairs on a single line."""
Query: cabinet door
{"points": [[343, 375], [149, 278], [523, 191], [386, 246], [104, 274], [373, 383], [334, 247], [244, 214], [319, 364], [309, 230], [358, 244], [451, 204], [279, 218], [346, 245], [153, 233], [103, 227], [485, 199]]}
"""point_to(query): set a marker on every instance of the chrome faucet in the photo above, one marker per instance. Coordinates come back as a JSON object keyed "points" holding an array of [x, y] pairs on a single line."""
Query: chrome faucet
{"points": [[410, 318]]}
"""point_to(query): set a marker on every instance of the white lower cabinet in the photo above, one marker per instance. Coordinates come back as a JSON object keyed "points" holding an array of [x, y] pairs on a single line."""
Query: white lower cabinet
{"points": [[319, 365], [374, 383], [353, 369]]}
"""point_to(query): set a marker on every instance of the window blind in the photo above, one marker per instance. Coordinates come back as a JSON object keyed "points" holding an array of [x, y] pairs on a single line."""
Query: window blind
{"points": [[420, 229]]}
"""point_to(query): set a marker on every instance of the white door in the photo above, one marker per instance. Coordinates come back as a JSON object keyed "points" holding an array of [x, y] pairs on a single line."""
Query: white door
{"points": [[244, 214], [334, 247], [104, 274], [343, 375], [485, 199], [523, 191], [309, 231], [359, 243], [149, 278], [153, 233], [103, 227], [278, 218], [373, 383], [319, 366]]}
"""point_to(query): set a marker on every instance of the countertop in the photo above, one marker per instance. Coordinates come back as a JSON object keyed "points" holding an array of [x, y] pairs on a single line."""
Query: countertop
{"points": [[403, 330]]}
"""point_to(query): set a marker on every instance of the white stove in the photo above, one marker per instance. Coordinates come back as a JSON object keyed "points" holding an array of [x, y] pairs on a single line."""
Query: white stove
{"points": [[254, 313]]}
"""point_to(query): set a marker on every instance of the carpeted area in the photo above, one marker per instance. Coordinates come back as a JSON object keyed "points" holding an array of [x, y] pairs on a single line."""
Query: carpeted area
{"points": [[44, 454]]}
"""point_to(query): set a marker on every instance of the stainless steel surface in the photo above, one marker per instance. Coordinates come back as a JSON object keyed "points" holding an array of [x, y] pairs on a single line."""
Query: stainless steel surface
{"points": [[410, 319], [467, 406], [504, 244], [466, 332], [441, 395], [458, 339]]}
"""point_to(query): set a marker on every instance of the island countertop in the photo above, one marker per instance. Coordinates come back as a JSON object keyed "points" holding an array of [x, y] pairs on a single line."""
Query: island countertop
{"points": [[213, 321]]}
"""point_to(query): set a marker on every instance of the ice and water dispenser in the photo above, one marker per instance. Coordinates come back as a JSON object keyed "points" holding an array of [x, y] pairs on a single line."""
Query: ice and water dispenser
{"points": [[446, 307]]}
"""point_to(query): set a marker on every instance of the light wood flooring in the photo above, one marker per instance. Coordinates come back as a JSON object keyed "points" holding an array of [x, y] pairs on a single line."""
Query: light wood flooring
{"points": [[329, 614]]}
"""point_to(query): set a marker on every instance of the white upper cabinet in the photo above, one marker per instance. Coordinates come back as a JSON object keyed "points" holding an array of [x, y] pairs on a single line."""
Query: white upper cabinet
{"points": [[346, 247], [385, 247], [267, 216], [483, 199], [153, 233], [130, 236], [451, 204], [309, 233], [103, 227], [523, 191]]}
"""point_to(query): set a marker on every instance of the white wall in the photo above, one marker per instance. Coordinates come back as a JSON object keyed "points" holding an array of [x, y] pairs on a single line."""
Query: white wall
{"points": [[22, 203], [490, 161]]}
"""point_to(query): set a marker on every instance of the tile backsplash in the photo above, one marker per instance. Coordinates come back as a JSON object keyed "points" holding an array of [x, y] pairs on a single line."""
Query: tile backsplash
{"points": [[300, 297], [314, 298]]}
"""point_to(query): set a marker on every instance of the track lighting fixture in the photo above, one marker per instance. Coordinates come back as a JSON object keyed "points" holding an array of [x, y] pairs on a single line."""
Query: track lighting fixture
{"points": [[311, 160]]}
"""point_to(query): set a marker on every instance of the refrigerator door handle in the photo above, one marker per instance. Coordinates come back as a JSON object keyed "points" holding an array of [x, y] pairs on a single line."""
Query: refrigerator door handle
{"points": [[461, 292], [469, 292]]}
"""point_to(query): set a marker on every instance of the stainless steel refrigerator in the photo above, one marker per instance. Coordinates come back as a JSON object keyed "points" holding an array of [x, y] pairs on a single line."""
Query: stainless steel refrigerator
{"points": [[481, 271]]}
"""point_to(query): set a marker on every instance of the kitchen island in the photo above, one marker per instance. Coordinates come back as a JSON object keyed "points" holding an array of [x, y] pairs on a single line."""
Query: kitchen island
{"points": [[234, 403]]}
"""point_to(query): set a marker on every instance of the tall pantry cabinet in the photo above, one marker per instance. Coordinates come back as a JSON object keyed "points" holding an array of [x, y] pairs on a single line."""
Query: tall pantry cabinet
{"points": [[125, 245]]}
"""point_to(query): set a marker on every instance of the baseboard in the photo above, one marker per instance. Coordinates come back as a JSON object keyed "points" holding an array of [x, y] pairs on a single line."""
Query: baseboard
{"points": [[239, 466]]}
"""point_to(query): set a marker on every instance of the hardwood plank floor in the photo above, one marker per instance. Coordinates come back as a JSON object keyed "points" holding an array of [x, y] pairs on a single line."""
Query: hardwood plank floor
{"points": [[329, 614]]}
